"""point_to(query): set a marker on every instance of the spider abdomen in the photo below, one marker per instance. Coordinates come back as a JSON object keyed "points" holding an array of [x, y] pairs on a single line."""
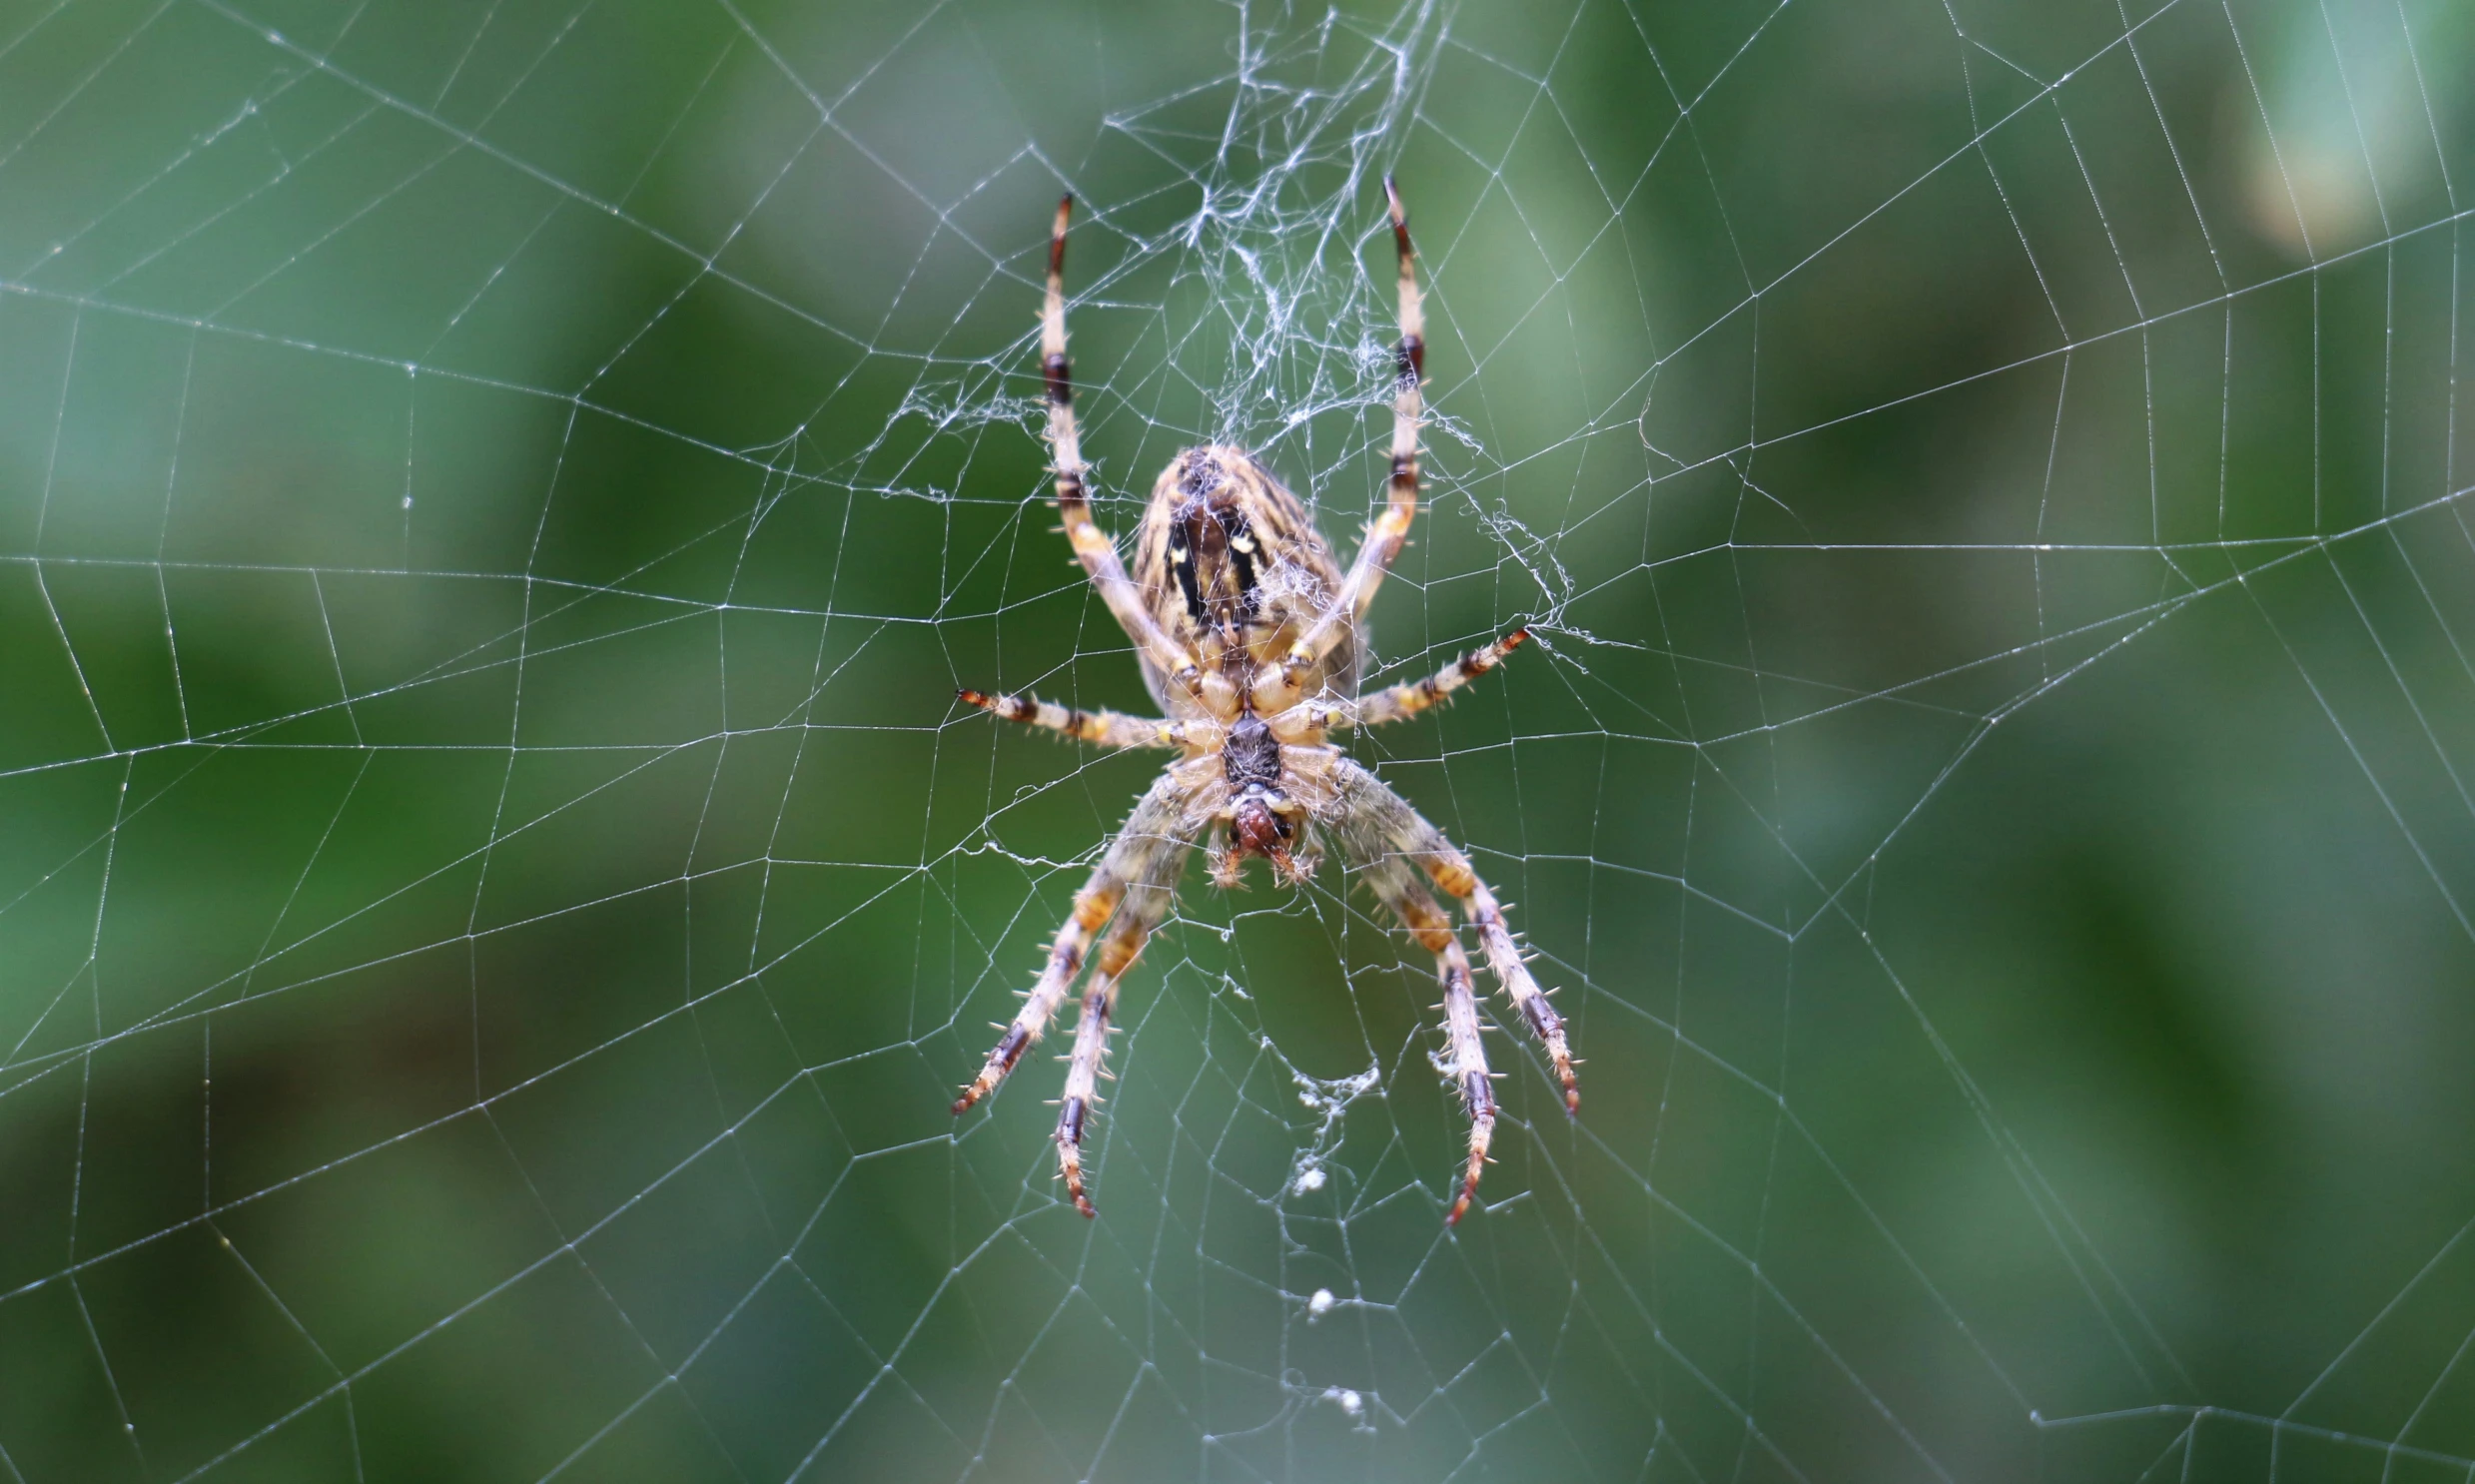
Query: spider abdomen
{"points": [[1229, 564]]}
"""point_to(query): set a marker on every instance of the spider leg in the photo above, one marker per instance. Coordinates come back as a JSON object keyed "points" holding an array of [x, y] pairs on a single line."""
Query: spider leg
{"points": [[1092, 548], [1392, 528], [1403, 701], [1107, 728], [1466, 1064], [1451, 870], [1147, 902], [1379, 821], [1152, 840]]}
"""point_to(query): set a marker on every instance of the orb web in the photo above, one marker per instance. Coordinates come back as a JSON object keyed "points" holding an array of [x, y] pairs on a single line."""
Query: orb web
{"points": [[499, 499]]}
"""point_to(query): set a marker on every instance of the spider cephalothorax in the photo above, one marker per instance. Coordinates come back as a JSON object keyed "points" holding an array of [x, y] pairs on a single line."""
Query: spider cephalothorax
{"points": [[1251, 640]]}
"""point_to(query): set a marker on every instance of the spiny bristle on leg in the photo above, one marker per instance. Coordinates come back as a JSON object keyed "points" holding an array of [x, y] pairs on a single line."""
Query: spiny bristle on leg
{"points": [[1070, 1152], [1009, 1050], [1082, 1079], [1548, 1027], [1074, 1186], [1481, 1134]]}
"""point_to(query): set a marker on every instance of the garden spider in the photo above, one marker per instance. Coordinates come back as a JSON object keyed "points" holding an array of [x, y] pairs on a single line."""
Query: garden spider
{"points": [[1250, 639]]}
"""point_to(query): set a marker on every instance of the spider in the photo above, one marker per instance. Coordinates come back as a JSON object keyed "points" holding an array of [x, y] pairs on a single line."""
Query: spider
{"points": [[1251, 640]]}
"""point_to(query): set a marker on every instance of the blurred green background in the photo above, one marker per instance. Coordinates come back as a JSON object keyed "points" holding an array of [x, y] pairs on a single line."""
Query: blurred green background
{"points": [[495, 498]]}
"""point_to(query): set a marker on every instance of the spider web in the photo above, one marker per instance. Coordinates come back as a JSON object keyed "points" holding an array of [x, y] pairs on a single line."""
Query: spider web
{"points": [[496, 499]]}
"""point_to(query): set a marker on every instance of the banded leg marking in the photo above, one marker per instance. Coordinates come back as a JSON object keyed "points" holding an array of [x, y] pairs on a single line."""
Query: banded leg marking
{"points": [[1091, 545], [1451, 870], [1403, 701], [1380, 823], [1149, 850], [1092, 908], [1467, 1058], [1146, 903], [1390, 530], [1106, 728], [1083, 1088]]}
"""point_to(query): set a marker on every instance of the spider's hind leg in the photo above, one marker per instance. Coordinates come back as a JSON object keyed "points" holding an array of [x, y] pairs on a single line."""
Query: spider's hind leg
{"points": [[1387, 837], [1466, 1060], [1449, 868], [1147, 902], [1150, 848]]}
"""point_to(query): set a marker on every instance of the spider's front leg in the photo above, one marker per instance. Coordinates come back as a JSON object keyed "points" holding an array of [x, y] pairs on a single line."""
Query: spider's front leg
{"points": [[1385, 538], [1093, 548]]}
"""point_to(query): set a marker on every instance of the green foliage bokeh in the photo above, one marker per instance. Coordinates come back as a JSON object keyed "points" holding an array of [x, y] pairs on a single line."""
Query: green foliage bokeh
{"points": [[496, 895]]}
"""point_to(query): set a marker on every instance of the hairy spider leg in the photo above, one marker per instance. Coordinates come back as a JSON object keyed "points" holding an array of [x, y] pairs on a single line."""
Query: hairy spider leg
{"points": [[1106, 728], [1093, 548], [1147, 901], [1404, 701], [1150, 833], [1378, 821], [1392, 528], [1451, 870], [1466, 1062]]}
